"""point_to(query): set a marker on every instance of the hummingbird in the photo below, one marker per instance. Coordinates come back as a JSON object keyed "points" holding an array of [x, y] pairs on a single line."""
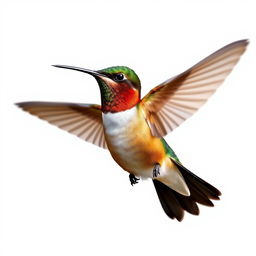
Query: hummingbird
{"points": [[133, 128]]}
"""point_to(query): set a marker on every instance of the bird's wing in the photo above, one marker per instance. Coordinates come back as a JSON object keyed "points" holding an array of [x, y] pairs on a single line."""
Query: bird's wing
{"points": [[83, 120], [173, 101]]}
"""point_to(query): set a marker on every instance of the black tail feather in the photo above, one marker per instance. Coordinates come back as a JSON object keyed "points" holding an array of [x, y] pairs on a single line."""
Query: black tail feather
{"points": [[174, 203]]}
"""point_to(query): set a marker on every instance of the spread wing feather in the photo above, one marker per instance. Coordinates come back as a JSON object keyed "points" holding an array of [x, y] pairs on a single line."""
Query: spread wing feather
{"points": [[172, 102], [83, 120]]}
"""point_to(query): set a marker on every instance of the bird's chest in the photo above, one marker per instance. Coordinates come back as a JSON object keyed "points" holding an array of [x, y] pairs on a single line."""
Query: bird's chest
{"points": [[130, 141], [121, 132]]}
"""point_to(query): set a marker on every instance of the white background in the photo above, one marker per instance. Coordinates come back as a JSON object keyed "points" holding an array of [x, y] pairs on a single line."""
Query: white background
{"points": [[63, 196]]}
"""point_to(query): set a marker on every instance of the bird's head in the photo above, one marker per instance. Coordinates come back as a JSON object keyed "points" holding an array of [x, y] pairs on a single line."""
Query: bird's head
{"points": [[119, 87]]}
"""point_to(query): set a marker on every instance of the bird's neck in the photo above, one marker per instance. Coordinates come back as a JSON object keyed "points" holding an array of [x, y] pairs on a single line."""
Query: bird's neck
{"points": [[118, 99]]}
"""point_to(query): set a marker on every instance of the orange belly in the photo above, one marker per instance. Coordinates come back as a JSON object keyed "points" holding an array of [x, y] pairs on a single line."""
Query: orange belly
{"points": [[131, 144]]}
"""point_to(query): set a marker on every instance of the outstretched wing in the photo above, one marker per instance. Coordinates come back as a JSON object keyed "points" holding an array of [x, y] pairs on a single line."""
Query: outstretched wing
{"points": [[83, 120], [173, 101]]}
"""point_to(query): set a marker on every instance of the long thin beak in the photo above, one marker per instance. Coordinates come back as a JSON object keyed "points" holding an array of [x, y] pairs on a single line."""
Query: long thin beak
{"points": [[88, 71]]}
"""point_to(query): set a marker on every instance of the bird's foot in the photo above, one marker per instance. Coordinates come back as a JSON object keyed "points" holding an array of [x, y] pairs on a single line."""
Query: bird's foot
{"points": [[156, 170], [133, 179]]}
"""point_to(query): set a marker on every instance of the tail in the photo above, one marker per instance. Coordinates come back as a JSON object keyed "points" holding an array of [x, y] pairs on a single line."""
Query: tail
{"points": [[174, 203]]}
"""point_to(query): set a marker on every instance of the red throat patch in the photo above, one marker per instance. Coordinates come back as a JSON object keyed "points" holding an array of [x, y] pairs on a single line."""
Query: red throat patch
{"points": [[124, 97]]}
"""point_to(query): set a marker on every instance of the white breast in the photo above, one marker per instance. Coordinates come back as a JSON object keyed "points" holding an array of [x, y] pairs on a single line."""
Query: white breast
{"points": [[121, 135], [116, 123]]}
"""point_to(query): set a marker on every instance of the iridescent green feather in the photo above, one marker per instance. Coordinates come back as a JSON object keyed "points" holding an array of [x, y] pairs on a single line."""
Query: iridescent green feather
{"points": [[129, 73], [168, 150]]}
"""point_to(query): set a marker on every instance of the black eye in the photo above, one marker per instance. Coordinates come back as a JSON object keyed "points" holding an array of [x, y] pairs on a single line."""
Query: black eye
{"points": [[119, 77]]}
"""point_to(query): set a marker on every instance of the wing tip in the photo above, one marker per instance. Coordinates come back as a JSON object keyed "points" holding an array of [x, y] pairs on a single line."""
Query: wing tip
{"points": [[244, 41], [20, 104], [27, 103], [239, 43]]}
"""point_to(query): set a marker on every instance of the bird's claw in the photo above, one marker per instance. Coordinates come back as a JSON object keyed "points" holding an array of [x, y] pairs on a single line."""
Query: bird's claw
{"points": [[156, 170], [133, 179]]}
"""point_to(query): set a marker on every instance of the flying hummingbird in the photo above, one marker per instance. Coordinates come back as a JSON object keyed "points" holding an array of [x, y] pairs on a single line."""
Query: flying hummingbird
{"points": [[132, 129]]}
